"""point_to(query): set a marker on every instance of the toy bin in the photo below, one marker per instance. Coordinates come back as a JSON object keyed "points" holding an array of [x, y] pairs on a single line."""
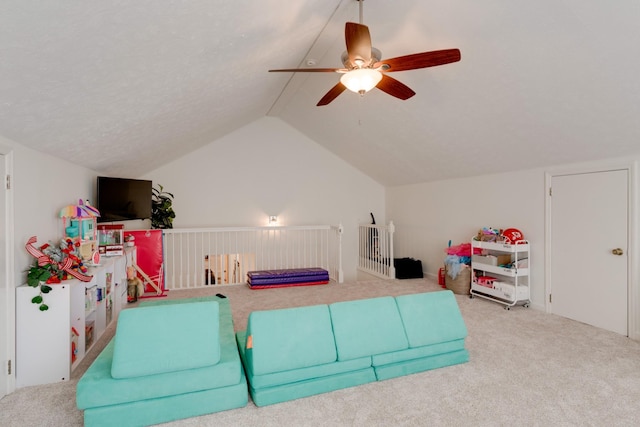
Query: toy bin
{"points": [[462, 283]]}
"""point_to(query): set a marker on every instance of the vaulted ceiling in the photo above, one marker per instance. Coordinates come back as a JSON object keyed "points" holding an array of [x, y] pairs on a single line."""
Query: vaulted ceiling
{"points": [[131, 85]]}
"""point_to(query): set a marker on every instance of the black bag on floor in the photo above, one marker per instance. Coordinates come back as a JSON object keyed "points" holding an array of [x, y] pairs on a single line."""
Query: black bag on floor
{"points": [[408, 268]]}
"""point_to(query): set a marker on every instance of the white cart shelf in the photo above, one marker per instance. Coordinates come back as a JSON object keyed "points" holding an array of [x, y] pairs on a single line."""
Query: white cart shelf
{"points": [[510, 281]]}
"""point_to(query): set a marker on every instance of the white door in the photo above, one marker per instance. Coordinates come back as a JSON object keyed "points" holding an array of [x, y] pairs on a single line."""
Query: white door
{"points": [[4, 290], [588, 260]]}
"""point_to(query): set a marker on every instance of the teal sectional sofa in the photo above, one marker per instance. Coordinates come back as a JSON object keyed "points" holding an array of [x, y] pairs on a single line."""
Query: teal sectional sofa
{"points": [[168, 360], [304, 351]]}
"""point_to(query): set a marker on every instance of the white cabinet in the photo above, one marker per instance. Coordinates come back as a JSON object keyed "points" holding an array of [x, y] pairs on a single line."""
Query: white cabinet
{"points": [[51, 343], [501, 272], [40, 357]]}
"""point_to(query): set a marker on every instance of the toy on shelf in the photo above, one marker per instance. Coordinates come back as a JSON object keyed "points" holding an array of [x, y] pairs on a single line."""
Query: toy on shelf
{"points": [[486, 281], [130, 241], [509, 236], [111, 239], [55, 260], [69, 248], [488, 234], [512, 236], [135, 287], [79, 224], [74, 344]]}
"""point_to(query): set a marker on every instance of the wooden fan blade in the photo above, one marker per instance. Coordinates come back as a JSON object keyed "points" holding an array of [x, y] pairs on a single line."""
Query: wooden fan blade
{"points": [[310, 70], [358, 42], [419, 60], [332, 94], [395, 88]]}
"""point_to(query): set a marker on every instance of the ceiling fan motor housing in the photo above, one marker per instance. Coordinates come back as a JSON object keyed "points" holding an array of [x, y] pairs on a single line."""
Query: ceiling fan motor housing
{"points": [[375, 57]]}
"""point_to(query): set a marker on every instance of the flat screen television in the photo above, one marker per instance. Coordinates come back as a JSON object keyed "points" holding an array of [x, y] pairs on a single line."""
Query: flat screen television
{"points": [[122, 199]]}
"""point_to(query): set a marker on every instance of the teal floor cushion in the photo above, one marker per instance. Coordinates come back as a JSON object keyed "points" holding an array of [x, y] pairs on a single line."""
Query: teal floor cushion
{"points": [[435, 332], [168, 360], [298, 352], [291, 353]]}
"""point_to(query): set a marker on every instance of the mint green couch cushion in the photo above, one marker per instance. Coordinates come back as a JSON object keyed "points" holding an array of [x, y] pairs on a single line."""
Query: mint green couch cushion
{"points": [[435, 331], [417, 352], [162, 398], [98, 388], [367, 327], [421, 364], [297, 390], [431, 318], [301, 374], [287, 339], [160, 339], [170, 408]]}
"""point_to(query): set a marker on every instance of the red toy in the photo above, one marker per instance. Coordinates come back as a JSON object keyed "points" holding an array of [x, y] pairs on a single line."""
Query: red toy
{"points": [[486, 281], [512, 236]]}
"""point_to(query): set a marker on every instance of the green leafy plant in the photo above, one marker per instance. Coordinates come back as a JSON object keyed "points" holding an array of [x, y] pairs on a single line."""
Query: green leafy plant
{"points": [[39, 277], [162, 213]]}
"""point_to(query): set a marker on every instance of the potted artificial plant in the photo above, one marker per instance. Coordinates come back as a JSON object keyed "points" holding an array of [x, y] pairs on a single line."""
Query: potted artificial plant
{"points": [[41, 276], [53, 264], [162, 213]]}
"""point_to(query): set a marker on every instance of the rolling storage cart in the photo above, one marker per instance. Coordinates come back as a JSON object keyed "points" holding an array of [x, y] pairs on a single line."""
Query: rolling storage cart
{"points": [[501, 272]]}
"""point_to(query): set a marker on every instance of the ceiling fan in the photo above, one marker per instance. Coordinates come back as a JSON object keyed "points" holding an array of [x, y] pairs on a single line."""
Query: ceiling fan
{"points": [[363, 69]]}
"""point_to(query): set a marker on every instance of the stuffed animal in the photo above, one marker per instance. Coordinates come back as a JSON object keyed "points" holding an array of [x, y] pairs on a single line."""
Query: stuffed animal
{"points": [[135, 287], [488, 234], [53, 252], [69, 248]]}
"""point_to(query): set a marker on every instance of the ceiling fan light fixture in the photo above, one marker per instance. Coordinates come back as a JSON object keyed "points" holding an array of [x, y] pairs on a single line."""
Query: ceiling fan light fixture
{"points": [[364, 69], [361, 80]]}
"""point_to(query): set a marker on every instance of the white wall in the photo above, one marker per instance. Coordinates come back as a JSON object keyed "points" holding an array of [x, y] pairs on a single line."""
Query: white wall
{"points": [[269, 168], [41, 186], [428, 215]]}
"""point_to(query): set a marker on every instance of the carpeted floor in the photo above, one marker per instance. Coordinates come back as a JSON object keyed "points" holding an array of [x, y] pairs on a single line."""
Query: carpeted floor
{"points": [[526, 368]]}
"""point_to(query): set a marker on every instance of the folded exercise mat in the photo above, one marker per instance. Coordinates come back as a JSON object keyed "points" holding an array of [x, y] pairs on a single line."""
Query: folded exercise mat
{"points": [[286, 272], [287, 277], [292, 280], [284, 285]]}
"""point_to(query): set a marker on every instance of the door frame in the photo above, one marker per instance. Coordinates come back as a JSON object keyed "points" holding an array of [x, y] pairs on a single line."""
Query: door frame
{"points": [[633, 287], [9, 277]]}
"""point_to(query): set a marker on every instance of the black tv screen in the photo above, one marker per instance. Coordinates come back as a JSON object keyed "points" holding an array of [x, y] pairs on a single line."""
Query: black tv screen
{"points": [[122, 199]]}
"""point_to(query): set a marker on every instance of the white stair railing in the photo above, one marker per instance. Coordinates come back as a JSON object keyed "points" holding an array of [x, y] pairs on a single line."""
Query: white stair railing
{"points": [[375, 250], [198, 257]]}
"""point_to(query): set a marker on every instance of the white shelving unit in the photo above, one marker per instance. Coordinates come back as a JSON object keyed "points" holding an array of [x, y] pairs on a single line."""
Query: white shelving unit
{"points": [[50, 344], [501, 273]]}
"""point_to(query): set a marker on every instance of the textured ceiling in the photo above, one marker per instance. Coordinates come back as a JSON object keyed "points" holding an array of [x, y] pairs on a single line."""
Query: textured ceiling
{"points": [[131, 85]]}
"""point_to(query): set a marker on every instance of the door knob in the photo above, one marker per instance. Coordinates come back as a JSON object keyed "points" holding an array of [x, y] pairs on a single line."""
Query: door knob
{"points": [[617, 251]]}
